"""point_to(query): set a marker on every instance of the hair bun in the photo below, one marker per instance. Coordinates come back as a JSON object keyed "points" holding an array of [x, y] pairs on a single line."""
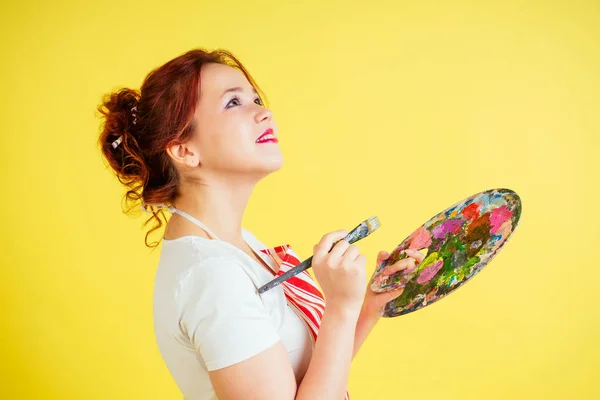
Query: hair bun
{"points": [[119, 146]]}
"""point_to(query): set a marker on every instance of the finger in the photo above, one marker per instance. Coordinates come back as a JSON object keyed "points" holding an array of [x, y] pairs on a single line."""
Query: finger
{"points": [[326, 243], [360, 261], [350, 255], [339, 249], [391, 295], [382, 256], [407, 263], [416, 254]]}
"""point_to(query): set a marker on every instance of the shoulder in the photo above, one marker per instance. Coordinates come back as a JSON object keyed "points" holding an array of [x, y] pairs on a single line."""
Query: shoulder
{"points": [[201, 264], [191, 255], [216, 273], [200, 247]]}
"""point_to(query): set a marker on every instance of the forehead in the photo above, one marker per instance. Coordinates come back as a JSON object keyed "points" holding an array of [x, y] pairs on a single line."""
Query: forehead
{"points": [[216, 78]]}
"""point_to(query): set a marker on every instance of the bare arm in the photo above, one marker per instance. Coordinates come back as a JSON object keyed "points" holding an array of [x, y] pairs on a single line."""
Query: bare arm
{"points": [[327, 374], [364, 326], [373, 302], [267, 375]]}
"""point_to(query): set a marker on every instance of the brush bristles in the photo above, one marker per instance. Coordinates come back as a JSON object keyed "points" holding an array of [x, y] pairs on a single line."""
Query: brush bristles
{"points": [[373, 223]]}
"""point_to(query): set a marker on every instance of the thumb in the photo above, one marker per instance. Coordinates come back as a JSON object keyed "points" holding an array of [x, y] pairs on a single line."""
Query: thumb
{"points": [[382, 256], [391, 295]]}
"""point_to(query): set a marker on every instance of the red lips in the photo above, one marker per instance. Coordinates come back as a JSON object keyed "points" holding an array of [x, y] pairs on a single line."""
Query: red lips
{"points": [[268, 132]]}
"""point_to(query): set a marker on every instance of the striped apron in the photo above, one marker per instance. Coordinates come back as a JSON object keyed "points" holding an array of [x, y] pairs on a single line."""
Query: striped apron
{"points": [[300, 291]]}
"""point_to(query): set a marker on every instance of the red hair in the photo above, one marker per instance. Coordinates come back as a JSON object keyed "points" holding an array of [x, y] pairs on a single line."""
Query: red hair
{"points": [[165, 107]]}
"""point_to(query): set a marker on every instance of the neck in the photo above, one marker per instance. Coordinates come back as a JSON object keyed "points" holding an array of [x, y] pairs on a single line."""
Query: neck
{"points": [[220, 206]]}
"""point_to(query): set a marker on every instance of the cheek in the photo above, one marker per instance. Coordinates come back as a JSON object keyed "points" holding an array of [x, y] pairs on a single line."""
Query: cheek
{"points": [[232, 146], [237, 133]]}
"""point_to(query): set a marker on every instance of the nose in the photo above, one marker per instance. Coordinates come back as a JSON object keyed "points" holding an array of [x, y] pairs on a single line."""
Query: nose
{"points": [[263, 114]]}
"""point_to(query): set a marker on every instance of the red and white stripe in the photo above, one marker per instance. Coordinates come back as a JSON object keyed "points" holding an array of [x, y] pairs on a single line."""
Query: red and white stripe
{"points": [[300, 291]]}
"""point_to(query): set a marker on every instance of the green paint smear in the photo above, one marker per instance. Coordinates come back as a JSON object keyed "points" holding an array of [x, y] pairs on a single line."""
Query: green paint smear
{"points": [[444, 277], [427, 261]]}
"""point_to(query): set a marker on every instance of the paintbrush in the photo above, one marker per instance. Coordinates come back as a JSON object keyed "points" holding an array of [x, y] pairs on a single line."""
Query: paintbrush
{"points": [[363, 230]]}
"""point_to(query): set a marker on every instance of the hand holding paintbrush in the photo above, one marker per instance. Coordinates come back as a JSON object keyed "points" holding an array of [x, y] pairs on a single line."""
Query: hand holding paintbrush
{"points": [[361, 231]]}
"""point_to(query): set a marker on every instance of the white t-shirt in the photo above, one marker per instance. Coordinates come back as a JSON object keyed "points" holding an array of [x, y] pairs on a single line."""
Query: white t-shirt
{"points": [[208, 314]]}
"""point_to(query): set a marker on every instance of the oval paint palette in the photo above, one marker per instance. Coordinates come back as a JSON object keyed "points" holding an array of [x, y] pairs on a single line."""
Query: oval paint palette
{"points": [[459, 242]]}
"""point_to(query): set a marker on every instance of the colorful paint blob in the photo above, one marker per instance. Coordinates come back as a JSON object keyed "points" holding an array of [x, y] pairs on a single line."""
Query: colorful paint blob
{"points": [[459, 241]]}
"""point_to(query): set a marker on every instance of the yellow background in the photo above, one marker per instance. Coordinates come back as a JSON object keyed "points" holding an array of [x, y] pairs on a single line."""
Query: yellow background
{"points": [[389, 108]]}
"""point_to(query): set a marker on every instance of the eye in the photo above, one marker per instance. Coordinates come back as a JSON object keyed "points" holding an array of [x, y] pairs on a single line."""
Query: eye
{"points": [[233, 102], [258, 101]]}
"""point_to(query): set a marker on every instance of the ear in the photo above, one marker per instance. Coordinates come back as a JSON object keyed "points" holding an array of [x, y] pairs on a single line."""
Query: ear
{"points": [[185, 154]]}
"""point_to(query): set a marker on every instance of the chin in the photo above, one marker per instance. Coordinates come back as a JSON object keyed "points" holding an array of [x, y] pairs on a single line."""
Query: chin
{"points": [[263, 165], [273, 164]]}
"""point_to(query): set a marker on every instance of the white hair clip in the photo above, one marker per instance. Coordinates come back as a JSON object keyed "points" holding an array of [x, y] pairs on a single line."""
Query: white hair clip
{"points": [[117, 142], [120, 138], [134, 113]]}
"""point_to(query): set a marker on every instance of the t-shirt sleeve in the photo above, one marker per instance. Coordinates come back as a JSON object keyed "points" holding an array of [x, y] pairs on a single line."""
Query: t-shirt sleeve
{"points": [[222, 313]]}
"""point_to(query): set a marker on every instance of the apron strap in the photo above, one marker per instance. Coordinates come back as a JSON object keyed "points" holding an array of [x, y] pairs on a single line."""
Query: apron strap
{"points": [[185, 215]]}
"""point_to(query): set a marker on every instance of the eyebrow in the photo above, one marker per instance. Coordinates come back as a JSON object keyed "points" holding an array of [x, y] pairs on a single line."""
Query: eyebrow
{"points": [[237, 89]]}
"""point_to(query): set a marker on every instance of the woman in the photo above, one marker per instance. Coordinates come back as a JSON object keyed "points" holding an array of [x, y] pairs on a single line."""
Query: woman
{"points": [[196, 140]]}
